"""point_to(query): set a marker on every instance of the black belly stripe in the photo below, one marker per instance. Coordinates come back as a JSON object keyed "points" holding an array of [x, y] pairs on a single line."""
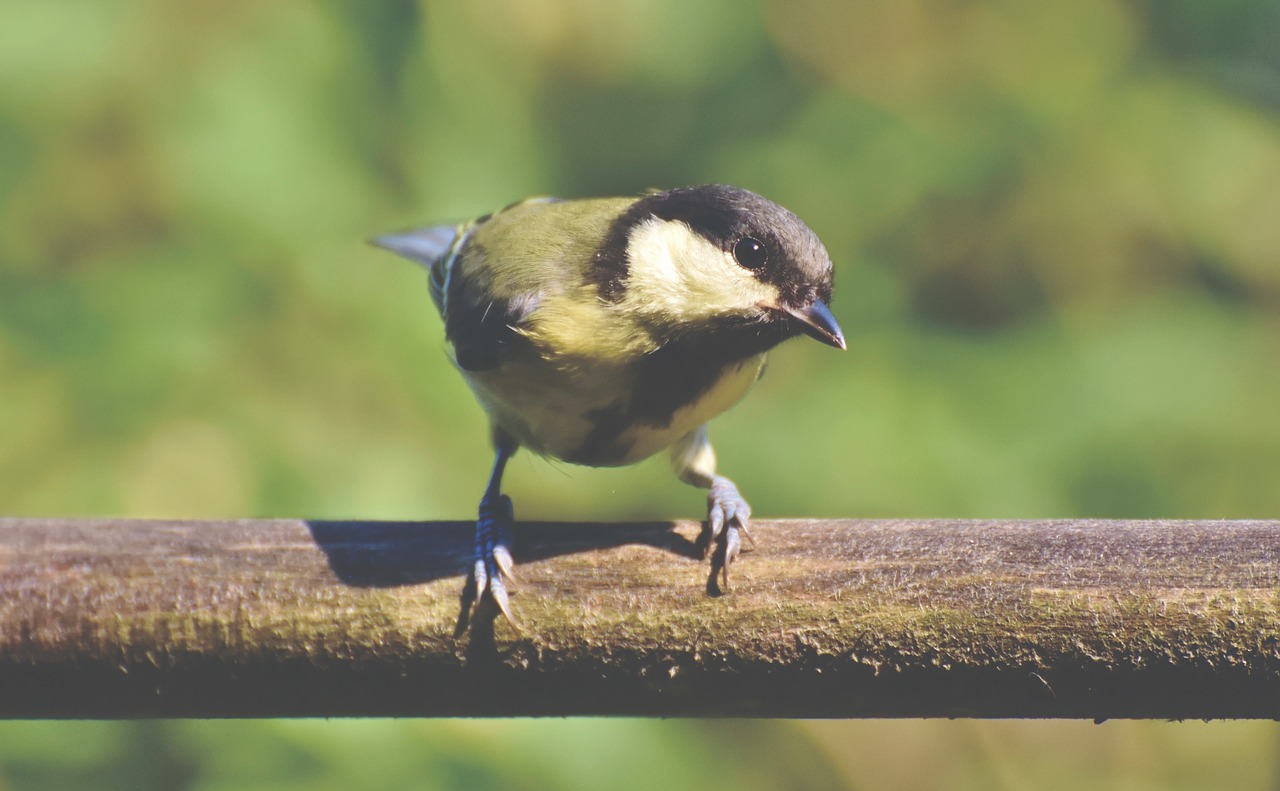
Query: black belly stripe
{"points": [[669, 379], [603, 446]]}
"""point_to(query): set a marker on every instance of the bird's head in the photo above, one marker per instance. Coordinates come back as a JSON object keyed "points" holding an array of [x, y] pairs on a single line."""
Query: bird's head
{"points": [[716, 256]]}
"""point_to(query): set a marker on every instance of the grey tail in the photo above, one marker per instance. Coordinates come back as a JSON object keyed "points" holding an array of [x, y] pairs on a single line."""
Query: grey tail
{"points": [[434, 248]]}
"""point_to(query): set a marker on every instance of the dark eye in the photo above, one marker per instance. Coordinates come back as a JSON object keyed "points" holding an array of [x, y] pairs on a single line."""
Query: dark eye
{"points": [[750, 253]]}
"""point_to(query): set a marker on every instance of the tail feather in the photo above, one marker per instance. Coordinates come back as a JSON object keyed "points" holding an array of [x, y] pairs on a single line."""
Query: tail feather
{"points": [[423, 245], [431, 247]]}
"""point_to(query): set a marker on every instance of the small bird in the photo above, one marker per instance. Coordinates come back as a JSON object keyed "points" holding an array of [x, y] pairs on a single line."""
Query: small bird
{"points": [[602, 331]]}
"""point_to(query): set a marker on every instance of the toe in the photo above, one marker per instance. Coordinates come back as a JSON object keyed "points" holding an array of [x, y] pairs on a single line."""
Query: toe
{"points": [[732, 545], [485, 592], [727, 517], [715, 526]]}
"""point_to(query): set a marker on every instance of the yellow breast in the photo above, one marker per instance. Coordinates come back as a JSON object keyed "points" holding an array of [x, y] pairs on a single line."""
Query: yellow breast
{"points": [[558, 412]]}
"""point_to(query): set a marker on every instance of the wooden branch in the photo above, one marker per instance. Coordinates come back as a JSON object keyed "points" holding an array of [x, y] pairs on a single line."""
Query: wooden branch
{"points": [[127, 618]]}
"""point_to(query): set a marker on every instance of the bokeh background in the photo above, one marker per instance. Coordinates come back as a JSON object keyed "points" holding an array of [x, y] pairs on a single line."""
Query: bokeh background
{"points": [[1057, 236]]}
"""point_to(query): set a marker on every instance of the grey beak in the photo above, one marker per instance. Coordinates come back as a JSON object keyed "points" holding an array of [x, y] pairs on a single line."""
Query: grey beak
{"points": [[820, 324]]}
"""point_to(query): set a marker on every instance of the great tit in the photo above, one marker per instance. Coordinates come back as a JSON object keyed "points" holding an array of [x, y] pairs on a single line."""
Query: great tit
{"points": [[602, 331]]}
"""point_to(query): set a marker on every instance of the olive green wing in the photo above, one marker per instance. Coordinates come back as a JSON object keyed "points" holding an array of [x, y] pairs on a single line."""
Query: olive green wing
{"points": [[489, 276], [483, 298]]}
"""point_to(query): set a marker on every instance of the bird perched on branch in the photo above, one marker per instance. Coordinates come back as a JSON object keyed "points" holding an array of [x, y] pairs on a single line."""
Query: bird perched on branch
{"points": [[603, 331]]}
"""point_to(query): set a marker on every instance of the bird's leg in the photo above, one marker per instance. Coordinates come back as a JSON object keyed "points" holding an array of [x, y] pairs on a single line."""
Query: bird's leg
{"points": [[493, 567], [728, 514]]}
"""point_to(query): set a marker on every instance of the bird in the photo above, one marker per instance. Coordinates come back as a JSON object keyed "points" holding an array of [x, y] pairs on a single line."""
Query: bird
{"points": [[602, 331]]}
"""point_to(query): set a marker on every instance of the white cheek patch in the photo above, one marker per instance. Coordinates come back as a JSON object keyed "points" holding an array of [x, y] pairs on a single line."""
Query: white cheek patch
{"points": [[677, 273]]}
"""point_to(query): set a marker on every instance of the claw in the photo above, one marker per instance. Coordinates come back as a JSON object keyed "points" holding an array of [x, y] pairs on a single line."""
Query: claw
{"points": [[498, 590], [732, 545], [502, 558]]}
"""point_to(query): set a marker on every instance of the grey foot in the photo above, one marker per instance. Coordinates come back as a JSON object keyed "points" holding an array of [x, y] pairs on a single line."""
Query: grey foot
{"points": [[727, 518], [485, 594]]}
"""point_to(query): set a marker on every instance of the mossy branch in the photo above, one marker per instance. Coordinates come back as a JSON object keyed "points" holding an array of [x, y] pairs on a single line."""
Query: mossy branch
{"points": [[830, 618]]}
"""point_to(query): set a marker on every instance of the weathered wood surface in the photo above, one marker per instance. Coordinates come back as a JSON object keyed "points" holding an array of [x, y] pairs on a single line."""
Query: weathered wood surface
{"points": [[1097, 619]]}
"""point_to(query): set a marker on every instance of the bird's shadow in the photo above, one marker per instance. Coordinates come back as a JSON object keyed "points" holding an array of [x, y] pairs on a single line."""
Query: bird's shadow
{"points": [[391, 554]]}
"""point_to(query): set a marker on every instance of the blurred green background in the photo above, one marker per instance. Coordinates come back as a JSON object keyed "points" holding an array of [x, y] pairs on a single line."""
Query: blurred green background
{"points": [[1057, 236]]}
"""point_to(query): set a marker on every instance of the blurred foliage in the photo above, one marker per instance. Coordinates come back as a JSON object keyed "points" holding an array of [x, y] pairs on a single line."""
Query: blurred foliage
{"points": [[353, 755], [1058, 268]]}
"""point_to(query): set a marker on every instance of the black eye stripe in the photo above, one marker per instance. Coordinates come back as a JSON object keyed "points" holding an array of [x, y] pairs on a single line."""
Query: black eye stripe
{"points": [[750, 253]]}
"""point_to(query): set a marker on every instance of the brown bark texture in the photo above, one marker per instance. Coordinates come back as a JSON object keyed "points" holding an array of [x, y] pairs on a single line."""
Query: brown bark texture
{"points": [[114, 618]]}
